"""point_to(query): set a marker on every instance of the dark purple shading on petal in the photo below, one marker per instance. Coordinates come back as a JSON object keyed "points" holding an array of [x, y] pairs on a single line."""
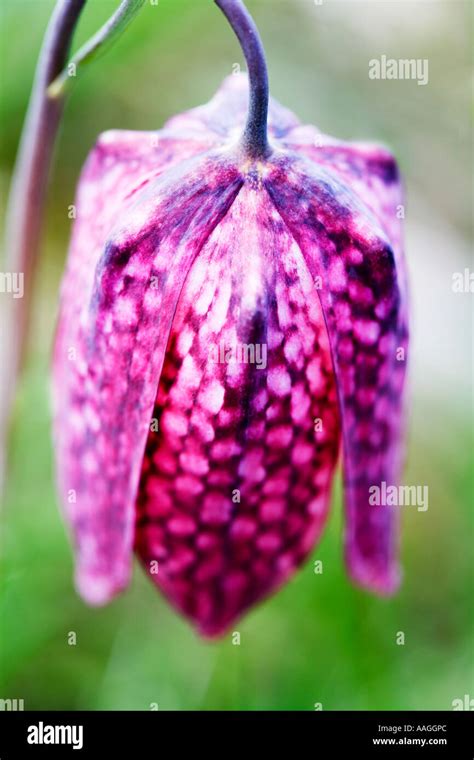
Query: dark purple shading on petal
{"points": [[364, 303], [235, 485], [107, 392]]}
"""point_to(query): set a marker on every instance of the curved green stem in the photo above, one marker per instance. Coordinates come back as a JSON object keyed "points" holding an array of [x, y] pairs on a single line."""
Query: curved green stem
{"points": [[97, 45], [26, 200], [28, 189]]}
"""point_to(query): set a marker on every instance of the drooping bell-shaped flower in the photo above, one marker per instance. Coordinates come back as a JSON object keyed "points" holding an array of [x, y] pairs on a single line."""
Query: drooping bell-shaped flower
{"points": [[233, 310]]}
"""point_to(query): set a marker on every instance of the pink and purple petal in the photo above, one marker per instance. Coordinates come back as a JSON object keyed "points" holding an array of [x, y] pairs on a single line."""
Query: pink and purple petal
{"points": [[224, 116], [363, 300], [235, 487], [114, 334]]}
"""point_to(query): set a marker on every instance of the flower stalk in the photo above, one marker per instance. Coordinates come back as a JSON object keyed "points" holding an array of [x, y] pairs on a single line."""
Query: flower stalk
{"points": [[254, 138], [26, 201]]}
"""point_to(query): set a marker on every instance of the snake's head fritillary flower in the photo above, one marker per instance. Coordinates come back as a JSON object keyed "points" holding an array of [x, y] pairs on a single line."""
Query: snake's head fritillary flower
{"points": [[234, 309]]}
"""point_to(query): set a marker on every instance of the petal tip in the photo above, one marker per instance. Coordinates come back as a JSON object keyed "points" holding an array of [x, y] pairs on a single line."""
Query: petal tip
{"points": [[383, 581], [97, 589]]}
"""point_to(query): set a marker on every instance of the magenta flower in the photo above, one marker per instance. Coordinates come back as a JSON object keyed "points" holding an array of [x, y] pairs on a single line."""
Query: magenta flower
{"points": [[233, 308]]}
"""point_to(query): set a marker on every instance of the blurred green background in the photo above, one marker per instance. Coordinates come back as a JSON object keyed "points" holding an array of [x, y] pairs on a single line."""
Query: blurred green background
{"points": [[319, 640]]}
